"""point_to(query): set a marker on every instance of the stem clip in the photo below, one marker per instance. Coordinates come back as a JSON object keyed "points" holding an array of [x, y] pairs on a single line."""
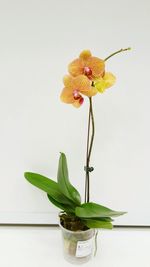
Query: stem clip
{"points": [[88, 169]]}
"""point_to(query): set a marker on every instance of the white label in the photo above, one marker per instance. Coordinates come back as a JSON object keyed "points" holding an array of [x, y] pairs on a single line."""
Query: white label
{"points": [[84, 248]]}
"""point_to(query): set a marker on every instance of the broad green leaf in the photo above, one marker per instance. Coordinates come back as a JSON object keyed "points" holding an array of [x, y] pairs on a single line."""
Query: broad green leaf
{"points": [[97, 224], [63, 181], [104, 219], [47, 185], [61, 206], [90, 210]]}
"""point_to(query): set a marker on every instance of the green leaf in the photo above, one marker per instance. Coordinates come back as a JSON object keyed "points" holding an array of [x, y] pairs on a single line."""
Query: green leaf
{"points": [[63, 181], [93, 210], [105, 219], [97, 224], [47, 185], [61, 206]]}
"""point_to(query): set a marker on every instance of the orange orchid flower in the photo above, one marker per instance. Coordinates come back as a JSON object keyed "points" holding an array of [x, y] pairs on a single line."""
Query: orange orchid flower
{"points": [[74, 88], [88, 65]]}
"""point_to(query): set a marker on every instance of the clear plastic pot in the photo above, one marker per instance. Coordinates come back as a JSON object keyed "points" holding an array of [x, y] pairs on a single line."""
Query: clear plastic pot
{"points": [[78, 246]]}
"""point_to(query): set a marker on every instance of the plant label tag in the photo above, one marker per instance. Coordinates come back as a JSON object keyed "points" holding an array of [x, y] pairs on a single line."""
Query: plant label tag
{"points": [[84, 248]]}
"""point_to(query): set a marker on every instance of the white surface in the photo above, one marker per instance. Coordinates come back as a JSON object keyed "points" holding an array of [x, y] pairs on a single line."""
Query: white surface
{"points": [[36, 247], [37, 41]]}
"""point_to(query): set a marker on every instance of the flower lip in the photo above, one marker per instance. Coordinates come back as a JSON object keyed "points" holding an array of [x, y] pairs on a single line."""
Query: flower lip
{"points": [[81, 100], [87, 71], [76, 94]]}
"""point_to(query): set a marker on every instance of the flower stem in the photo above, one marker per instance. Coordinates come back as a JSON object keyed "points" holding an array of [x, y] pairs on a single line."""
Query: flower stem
{"points": [[90, 140], [87, 151], [117, 52], [93, 129]]}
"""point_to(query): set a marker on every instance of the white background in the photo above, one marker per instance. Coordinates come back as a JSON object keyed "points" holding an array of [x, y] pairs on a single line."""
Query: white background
{"points": [[38, 246], [37, 41]]}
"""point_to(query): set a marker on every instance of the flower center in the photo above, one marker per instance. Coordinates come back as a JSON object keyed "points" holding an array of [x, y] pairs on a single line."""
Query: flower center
{"points": [[76, 95], [87, 71]]}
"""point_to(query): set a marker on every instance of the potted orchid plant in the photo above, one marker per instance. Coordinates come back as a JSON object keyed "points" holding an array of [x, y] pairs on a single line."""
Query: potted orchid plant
{"points": [[79, 219]]}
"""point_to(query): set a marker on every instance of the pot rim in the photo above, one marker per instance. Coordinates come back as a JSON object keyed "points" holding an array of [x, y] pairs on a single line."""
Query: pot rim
{"points": [[76, 232]]}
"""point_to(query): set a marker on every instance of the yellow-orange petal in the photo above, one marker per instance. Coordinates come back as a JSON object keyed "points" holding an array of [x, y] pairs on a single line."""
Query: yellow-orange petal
{"points": [[81, 83], [100, 85], [91, 92], [77, 104], [76, 67], [103, 83], [97, 66], [67, 79], [67, 96], [85, 54], [109, 79]]}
